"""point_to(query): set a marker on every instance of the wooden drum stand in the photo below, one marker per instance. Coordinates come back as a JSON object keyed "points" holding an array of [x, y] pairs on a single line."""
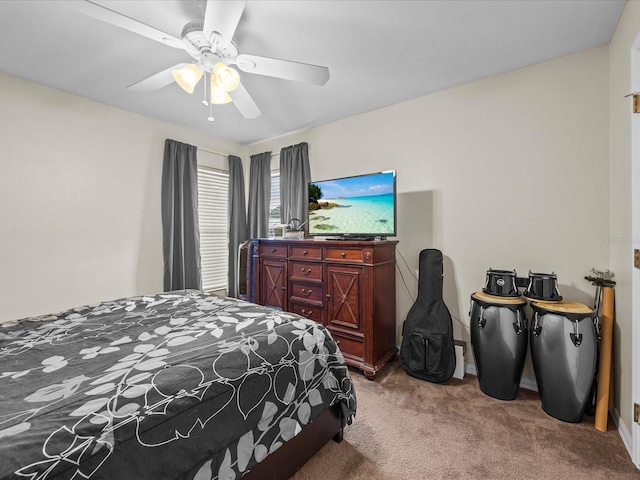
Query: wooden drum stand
{"points": [[604, 306]]}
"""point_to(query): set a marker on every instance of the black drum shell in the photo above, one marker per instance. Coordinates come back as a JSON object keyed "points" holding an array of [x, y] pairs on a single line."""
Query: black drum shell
{"points": [[564, 371], [501, 283], [543, 286], [499, 351]]}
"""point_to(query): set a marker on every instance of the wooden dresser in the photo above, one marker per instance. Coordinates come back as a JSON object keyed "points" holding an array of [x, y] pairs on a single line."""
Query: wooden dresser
{"points": [[348, 286]]}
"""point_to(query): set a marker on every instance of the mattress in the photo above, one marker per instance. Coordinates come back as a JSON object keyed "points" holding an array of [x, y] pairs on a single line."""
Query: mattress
{"points": [[175, 385]]}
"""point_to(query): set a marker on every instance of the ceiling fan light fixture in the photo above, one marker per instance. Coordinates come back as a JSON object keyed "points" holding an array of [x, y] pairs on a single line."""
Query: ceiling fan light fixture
{"points": [[187, 77], [219, 96], [226, 77]]}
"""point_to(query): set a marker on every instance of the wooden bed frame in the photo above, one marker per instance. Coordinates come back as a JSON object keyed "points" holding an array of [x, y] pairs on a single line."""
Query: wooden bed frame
{"points": [[288, 459]]}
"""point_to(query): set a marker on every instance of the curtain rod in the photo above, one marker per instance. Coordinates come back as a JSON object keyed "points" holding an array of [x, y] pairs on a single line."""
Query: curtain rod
{"points": [[211, 151], [226, 154]]}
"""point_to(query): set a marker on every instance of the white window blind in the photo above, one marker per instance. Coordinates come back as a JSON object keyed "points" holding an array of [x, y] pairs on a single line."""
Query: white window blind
{"points": [[213, 188], [274, 204]]}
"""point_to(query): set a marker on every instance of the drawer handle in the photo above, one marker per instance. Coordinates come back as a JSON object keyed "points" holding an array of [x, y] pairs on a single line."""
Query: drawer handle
{"points": [[273, 250], [305, 252], [343, 254], [305, 271], [306, 293], [307, 313]]}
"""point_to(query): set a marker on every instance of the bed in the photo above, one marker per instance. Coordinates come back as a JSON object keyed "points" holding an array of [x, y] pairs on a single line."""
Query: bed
{"points": [[178, 385]]}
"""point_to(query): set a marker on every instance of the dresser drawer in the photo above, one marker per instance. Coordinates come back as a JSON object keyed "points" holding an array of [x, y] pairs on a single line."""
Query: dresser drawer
{"points": [[306, 291], [349, 346], [306, 271], [301, 252], [311, 312], [353, 255], [276, 250]]}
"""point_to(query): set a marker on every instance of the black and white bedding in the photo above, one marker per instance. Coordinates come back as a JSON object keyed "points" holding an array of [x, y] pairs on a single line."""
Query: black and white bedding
{"points": [[179, 385]]}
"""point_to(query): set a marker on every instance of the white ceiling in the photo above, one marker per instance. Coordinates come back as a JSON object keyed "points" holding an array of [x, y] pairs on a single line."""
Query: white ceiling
{"points": [[378, 53]]}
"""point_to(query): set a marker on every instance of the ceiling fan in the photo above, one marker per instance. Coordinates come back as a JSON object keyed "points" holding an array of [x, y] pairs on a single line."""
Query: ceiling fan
{"points": [[211, 44]]}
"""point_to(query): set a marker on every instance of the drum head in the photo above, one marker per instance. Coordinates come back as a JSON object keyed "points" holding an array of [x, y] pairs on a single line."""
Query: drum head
{"points": [[497, 300], [504, 273], [564, 307], [543, 276]]}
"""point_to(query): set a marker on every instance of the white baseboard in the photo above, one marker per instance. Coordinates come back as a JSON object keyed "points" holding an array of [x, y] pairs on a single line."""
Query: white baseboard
{"points": [[625, 435]]}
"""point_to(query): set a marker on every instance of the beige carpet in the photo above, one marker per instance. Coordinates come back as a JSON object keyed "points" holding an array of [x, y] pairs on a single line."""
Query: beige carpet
{"points": [[406, 428]]}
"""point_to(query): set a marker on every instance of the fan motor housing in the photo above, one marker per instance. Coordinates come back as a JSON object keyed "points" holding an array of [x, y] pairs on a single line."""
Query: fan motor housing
{"points": [[192, 35]]}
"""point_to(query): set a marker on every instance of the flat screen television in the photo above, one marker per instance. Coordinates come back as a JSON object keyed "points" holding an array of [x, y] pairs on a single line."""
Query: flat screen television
{"points": [[362, 206]]}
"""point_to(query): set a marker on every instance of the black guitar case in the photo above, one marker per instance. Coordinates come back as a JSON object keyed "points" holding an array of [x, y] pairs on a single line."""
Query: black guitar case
{"points": [[427, 350]]}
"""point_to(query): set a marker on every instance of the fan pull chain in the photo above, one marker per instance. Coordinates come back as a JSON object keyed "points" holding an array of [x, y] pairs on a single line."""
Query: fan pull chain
{"points": [[204, 101]]}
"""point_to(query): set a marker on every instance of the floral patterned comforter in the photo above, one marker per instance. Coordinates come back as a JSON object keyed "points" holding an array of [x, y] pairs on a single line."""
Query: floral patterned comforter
{"points": [[177, 385]]}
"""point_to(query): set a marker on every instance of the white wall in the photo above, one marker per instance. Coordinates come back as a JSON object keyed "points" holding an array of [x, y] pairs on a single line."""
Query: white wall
{"points": [[79, 199], [620, 239], [509, 172]]}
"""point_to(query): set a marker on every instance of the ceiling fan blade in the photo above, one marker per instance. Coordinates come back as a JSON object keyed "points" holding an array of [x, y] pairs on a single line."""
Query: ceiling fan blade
{"points": [[155, 82], [272, 67], [244, 103], [221, 18], [114, 18]]}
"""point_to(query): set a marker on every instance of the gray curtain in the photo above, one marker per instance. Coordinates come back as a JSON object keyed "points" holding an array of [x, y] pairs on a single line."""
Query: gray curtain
{"points": [[180, 230], [295, 175], [237, 219], [259, 195]]}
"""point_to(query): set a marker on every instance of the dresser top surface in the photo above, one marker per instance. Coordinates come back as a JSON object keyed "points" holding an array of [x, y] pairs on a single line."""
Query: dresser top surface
{"points": [[318, 242]]}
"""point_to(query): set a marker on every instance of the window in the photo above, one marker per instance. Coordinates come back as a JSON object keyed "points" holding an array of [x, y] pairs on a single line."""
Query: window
{"points": [[213, 188], [274, 203]]}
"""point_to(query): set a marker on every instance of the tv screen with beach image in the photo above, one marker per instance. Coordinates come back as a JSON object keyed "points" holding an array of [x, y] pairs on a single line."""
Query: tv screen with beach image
{"points": [[363, 205]]}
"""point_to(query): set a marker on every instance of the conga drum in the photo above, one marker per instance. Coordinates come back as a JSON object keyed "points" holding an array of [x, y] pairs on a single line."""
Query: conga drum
{"points": [[543, 286], [499, 340], [564, 353], [501, 283]]}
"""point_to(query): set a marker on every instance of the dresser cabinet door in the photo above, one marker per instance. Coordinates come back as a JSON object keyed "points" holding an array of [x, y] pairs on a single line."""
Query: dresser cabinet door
{"points": [[273, 276], [344, 294]]}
